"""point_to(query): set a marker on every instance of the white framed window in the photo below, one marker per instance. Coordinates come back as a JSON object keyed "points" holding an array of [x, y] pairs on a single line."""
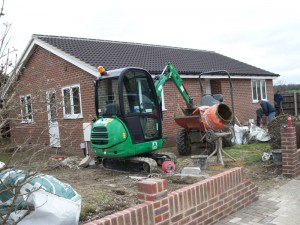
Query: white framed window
{"points": [[72, 102], [26, 108], [259, 90]]}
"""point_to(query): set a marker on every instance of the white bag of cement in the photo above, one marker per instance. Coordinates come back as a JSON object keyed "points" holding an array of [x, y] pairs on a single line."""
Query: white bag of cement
{"points": [[51, 201], [239, 134]]}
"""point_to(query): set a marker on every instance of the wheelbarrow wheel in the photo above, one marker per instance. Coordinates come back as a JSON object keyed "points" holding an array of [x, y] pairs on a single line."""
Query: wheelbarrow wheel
{"points": [[182, 142]]}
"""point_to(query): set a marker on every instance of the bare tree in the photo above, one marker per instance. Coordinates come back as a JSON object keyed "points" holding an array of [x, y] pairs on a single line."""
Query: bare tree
{"points": [[6, 70], [6, 97], [25, 162]]}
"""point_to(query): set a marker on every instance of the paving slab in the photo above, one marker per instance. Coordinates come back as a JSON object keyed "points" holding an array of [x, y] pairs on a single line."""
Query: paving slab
{"points": [[279, 207]]}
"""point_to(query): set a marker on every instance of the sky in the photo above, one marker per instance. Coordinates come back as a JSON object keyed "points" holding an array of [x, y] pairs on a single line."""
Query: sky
{"points": [[262, 33]]}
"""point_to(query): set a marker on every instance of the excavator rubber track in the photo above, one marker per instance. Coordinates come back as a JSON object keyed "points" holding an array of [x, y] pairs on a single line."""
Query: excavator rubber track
{"points": [[131, 164]]}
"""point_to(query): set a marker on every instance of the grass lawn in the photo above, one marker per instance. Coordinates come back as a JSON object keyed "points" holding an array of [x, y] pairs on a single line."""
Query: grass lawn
{"points": [[248, 154]]}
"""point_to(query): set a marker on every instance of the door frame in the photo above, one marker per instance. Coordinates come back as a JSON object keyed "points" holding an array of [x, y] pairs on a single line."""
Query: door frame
{"points": [[52, 125]]}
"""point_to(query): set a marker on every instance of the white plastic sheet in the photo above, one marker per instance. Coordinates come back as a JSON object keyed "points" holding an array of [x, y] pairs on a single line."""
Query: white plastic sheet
{"points": [[259, 134], [239, 133], [253, 132]]}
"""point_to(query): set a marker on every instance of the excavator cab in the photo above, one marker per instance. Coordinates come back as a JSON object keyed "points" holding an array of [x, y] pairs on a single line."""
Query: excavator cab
{"points": [[128, 114]]}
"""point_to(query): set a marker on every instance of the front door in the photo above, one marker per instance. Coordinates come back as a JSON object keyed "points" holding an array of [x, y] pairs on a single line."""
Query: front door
{"points": [[52, 119]]}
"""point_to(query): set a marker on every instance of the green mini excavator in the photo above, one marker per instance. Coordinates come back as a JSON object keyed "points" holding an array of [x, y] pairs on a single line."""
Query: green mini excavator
{"points": [[128, 129]]}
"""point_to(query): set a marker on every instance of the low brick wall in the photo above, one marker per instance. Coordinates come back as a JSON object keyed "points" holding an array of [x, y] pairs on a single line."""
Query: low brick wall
{"points": [[205, 202], [290, 153]]}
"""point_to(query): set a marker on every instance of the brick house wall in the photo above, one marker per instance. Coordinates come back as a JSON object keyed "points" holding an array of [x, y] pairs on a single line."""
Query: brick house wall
{"points": [[173, 99], [216, 87], [244, 108], [45, 70]]}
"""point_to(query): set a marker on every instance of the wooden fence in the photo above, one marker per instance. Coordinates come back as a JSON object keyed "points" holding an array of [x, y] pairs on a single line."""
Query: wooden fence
{"points": [[291, 103]]}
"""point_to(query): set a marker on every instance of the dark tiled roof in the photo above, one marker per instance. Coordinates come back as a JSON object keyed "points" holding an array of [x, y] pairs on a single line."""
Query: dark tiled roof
{"points": [[113, 55]]}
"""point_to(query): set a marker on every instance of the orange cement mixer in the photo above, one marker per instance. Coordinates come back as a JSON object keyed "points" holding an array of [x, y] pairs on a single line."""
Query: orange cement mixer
{"points": [[215, 117]]}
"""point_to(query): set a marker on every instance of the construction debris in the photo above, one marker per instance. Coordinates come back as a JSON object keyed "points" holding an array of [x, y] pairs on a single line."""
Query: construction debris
{"points": [[191, 171], [85, 161], [71, 162], [259, 134], [266, 156]]}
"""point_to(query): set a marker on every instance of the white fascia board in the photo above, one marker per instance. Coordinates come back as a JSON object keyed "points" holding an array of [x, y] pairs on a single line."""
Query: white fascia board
{"points": [[24, 56], [226, 77], [29, 50], [84, 66]]}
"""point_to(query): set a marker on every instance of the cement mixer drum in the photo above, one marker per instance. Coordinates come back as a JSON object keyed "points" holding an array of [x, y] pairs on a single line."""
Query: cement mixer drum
{"points": [[217, 117]]}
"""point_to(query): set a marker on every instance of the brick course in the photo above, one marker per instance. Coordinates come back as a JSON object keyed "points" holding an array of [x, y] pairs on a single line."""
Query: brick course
{"points": [[205, 202], [290, 153]]}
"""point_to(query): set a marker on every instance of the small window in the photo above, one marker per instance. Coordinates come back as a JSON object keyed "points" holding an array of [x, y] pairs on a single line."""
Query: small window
{"points": [[72, 102], [259, 90], [26, 108]]}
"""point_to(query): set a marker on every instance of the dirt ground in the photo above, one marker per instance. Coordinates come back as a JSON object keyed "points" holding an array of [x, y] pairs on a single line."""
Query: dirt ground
{"points": [[104, 192]]}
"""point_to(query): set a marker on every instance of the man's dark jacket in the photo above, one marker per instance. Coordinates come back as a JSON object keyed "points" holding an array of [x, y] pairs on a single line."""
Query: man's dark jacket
{"points": [[267, 107]]}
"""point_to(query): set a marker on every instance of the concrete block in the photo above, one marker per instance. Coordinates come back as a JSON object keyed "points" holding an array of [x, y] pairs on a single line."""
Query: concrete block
{"points": [[92, 164], [191, 171], [85, 162]]}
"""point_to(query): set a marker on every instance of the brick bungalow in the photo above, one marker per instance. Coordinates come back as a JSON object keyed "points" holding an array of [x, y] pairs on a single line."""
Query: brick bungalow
{"points": [[55, 77]]}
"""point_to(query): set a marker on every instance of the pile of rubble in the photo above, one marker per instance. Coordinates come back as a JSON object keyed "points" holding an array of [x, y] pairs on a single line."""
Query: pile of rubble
{"points": [[274, 130], [71, 162]]}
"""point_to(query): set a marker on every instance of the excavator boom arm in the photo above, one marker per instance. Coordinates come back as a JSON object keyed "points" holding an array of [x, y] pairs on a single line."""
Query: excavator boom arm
{"points": [[170, 72]]}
